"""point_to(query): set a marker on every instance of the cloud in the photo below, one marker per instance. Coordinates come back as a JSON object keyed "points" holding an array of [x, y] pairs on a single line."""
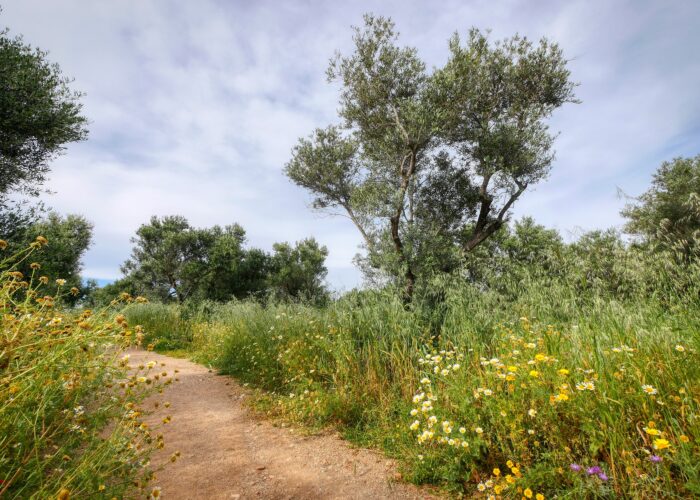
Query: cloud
{"points": [[195, 106]]}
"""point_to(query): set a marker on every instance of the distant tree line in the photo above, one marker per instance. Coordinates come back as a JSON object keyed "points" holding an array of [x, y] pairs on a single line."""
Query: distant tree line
{"points": [[172, 261]]}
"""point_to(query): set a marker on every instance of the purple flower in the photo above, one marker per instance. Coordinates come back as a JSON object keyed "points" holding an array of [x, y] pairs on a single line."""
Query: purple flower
{"points": [[602, 476], [656, 459], [594, 470], [575, 467]]}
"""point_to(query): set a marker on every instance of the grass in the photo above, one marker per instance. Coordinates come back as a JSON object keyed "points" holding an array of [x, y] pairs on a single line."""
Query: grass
{"points": [[512, 400], [70, 416]]}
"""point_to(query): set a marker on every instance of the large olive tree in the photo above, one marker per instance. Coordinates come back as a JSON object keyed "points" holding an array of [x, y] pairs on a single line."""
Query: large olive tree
{"points": [[428, 165]]}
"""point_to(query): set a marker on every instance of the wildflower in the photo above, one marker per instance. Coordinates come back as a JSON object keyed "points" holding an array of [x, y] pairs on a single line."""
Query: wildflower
{"points": [[444, 372], [414, 412], [41, 240], [539, 496], [155, 492], [479, 430], [455, 367], [563, 371], [656, 459], [3, 244], [593, 470], [420, 457], [418, 398], [496, 472], [534, 373], [462, 430], [603, 476], [510, 464], [35, 265], [575, 467], [649, 389], [684, 438], [527, 492], [414, 426], [532, 413], [661, 444], [590, 386], [488, 392], [652, 431], [680, 348], [425, 381], [561, 397], [481, 487], [64, 494], [60, 282]]}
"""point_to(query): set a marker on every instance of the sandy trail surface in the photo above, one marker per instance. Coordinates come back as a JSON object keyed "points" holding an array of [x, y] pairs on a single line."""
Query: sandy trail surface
{"points": [[228, 453]]}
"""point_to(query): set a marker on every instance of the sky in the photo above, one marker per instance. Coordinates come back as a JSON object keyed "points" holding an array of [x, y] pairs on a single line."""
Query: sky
{"points": [[194, 107]]}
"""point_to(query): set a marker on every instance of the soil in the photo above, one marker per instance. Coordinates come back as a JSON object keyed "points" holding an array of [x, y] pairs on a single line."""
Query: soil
{"points": [[227, 452]]}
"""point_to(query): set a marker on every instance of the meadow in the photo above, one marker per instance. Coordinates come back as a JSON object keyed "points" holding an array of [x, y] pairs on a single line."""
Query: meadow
{"points": [[542, 387]]}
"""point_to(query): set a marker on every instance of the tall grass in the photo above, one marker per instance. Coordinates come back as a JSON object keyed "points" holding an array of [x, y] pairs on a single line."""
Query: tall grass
{"points": [[551, 387], [70, 422]]}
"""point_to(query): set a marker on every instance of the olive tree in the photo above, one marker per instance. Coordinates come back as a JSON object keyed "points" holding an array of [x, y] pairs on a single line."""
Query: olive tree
{"points": [[428, 165]]}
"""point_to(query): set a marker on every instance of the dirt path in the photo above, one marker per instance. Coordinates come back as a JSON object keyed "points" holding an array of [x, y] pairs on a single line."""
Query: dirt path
{"points": [[226, 453]]}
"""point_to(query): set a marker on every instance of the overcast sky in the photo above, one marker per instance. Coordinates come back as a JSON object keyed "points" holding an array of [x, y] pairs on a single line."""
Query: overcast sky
{"points": [[194, 106]]}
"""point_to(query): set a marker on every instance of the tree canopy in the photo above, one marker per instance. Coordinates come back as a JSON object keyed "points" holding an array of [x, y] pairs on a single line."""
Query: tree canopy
{"points": [[428, 165], [39, 115], [68, 237], [173, 261], [669, 211]]}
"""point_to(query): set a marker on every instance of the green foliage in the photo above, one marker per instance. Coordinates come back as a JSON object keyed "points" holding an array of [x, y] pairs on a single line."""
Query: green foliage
{"points": [[173, 261], [168, 258], [669, 212], [428, 166], [298, 271], [68, 238], [166, 328], [39, 114]]}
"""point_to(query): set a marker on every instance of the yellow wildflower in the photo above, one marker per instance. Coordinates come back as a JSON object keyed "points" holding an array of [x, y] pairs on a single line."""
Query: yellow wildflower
{"points": [[661, 444]]}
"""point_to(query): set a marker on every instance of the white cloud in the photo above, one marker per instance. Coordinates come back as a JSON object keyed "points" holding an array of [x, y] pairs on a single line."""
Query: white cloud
{"points": [[194, 106]]}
